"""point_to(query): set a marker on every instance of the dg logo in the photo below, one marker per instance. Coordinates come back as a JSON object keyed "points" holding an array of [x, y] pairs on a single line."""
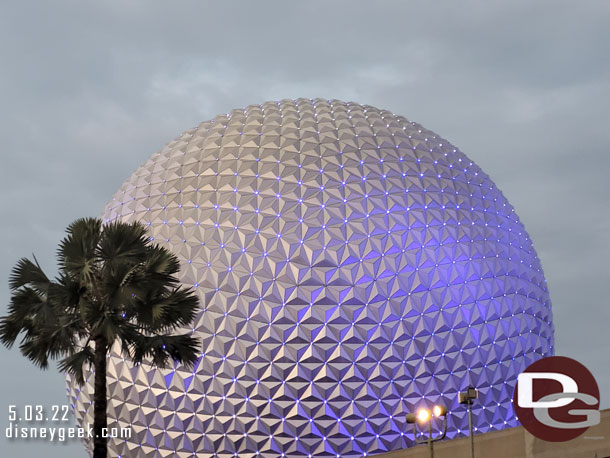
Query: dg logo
{"points": [[556, 399]]}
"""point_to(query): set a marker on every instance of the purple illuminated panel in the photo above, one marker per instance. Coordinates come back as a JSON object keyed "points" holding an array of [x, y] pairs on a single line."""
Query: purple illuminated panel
{"points": [[352, 267]]}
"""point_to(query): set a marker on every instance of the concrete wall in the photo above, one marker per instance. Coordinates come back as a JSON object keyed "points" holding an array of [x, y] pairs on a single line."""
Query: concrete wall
{"points": [[518, 443]]}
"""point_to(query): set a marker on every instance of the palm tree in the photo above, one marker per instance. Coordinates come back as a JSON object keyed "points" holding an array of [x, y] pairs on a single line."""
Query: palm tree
{"points": [[113, 285]]}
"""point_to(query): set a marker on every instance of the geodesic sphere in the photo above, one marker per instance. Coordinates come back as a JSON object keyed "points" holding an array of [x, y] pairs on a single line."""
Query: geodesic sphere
{"points": [[352, 266]]}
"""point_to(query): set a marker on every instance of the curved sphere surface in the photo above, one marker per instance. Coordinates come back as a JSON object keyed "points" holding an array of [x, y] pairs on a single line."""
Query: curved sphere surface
{"points": [[352, 266]]}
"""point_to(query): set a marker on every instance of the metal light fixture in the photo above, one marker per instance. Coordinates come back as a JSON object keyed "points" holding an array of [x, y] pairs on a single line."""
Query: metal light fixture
{"points": [[426, 416], [468, 397]]}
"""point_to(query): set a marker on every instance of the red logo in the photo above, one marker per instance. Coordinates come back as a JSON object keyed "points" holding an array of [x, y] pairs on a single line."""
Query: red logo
{"points": [[556, 399]]}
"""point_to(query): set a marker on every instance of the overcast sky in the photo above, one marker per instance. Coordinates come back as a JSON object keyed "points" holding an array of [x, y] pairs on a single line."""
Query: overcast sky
{"points": [[90, 89]]}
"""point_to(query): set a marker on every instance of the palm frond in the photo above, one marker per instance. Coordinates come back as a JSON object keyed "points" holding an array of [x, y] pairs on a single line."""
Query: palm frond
{"points": [[65, 335], [37, 312], [77, 250], [26, 303], [73, 364], [65, 292], [28, 272], [161, 261], [163, 349], [89, 312], [109, 327], [34, 346], [10, 328], [19, 318], [175, 309], [120, 283], [122, 243]]}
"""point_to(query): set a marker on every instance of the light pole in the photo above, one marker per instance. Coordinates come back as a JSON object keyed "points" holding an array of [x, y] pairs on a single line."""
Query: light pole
{"points": [[468, 397], [425, 416]]}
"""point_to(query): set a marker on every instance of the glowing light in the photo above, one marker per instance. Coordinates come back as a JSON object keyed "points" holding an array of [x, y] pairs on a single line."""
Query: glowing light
{"points": [[423, 415], [439, 411]]}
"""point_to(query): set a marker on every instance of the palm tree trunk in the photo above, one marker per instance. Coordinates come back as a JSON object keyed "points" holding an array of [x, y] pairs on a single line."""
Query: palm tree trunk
{"points": [[100, 421]]}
